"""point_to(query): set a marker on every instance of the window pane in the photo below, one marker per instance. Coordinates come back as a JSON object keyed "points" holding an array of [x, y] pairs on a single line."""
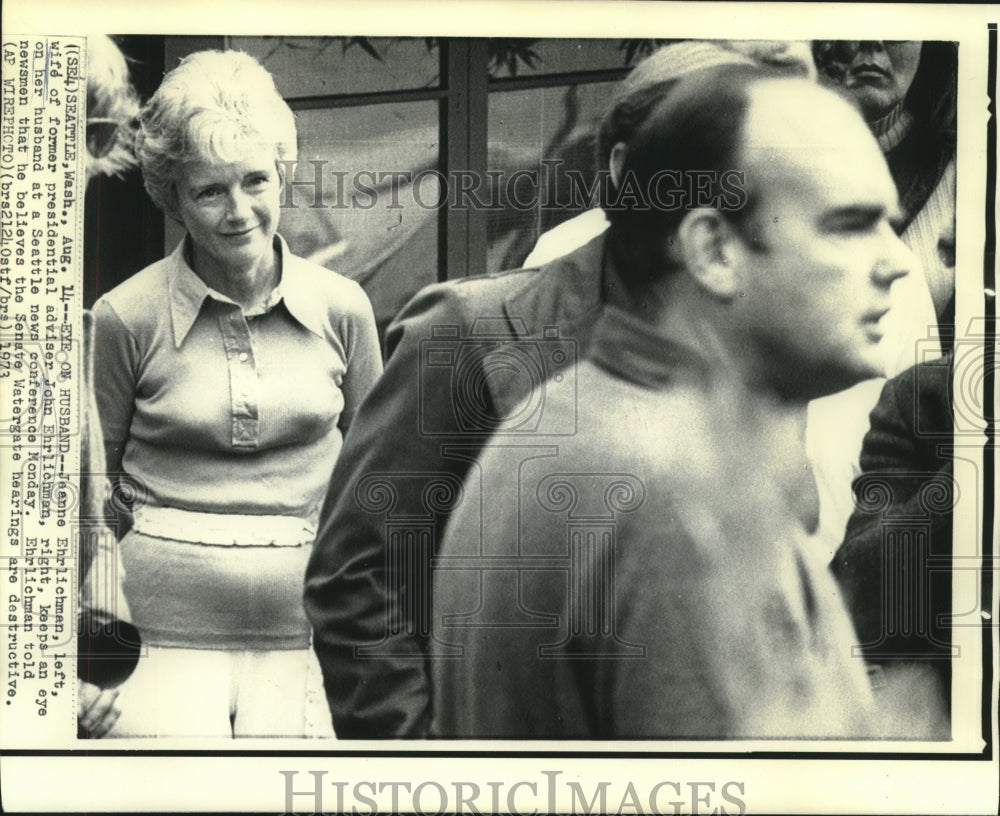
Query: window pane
{"points": [[370, 225], [314, 66], [554, 125], [527, 57]]}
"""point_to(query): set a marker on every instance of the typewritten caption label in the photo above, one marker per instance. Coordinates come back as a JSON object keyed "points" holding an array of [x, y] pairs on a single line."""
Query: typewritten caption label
{"points": [[44, 99]]}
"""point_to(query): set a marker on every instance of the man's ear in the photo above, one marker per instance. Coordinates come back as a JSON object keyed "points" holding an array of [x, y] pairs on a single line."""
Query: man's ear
{"points": [[704, 244], [616, 163]]}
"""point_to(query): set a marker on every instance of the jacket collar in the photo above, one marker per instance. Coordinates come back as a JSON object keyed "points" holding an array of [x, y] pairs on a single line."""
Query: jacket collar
{"points": [[565, 292], [188, 292]]}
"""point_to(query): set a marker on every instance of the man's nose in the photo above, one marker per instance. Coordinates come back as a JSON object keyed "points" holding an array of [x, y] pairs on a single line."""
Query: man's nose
{"points": [[897, 262]]}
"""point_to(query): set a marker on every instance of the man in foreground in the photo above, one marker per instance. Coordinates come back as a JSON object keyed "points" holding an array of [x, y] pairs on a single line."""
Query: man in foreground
{"points": [[651, 574]]}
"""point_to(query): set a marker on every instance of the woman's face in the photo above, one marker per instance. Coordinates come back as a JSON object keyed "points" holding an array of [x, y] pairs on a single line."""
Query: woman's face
{"points": [[231, 209], [879, 74]]}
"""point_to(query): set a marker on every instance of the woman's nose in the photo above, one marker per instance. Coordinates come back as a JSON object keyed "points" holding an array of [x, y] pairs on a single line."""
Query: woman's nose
{"points": [[239, 206], [871, 46]]}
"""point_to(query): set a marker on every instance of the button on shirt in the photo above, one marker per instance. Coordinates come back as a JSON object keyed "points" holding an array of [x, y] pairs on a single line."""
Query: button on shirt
{"points": [[231, 411]]}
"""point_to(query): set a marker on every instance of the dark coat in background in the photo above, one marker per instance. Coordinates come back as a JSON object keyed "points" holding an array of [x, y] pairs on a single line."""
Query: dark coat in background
{"points": [[894, 566]]}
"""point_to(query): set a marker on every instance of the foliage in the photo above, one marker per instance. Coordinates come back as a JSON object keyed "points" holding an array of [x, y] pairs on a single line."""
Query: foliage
{"points": [[507, 53], [640, 48], [504, 53]]}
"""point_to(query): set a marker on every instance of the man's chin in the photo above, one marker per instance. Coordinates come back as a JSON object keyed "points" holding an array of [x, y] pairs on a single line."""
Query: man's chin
{"points": [[869, 370], [837, 378]]}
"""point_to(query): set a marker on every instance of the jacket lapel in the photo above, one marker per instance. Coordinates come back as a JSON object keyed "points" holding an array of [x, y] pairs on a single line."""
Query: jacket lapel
{"points": [[555, 309]]}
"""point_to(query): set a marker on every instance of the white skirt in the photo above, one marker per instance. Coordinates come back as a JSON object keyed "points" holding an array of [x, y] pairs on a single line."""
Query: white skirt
{"points": [[224, 693]]}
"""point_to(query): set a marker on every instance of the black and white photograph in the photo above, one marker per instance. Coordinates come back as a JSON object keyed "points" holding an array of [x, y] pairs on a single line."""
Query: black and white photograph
{"points": [[518, 407]]}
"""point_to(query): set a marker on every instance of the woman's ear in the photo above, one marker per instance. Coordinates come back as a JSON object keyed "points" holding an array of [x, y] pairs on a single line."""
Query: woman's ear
{"points": [[705, 246]]}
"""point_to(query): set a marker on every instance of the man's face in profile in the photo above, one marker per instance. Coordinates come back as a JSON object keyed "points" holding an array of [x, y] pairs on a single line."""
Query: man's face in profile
{"points": [[821, 251]]}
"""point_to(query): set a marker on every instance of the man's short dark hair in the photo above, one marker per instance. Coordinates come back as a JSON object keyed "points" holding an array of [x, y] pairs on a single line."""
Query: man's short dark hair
{"points": [[638, 93], [685, 155]]}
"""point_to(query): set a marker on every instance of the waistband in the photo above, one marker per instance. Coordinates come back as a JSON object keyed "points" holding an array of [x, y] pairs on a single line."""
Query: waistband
{"points": [[223, 529]]}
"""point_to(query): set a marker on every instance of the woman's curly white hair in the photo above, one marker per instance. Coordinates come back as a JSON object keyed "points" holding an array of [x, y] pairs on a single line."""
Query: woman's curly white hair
{"points": [[208, 108]]}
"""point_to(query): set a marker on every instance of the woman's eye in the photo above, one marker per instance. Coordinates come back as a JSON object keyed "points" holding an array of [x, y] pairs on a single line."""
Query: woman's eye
{"points": [[258, 181], [207, 194]]}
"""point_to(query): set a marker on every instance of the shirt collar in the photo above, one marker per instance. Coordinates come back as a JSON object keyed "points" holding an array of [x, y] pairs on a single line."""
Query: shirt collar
{"points": [[188, 292]]}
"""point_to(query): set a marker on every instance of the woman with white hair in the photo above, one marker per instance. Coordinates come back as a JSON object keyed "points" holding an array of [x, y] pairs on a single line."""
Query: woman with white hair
{"points": [[227, 375]]}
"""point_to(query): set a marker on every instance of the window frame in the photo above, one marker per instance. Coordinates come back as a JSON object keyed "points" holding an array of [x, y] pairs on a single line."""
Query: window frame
{"points": [[463, 97]]}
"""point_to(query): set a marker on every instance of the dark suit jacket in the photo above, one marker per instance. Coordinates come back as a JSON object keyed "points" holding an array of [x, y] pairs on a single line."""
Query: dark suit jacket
{"points": [[894, 565], [460, 356]]}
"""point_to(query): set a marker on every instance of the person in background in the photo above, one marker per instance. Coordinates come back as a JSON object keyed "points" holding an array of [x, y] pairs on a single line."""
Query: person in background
{"points": [[107, 643], [907, 92], [894, 565], [661, 579], [227, 375], [112, 105]]}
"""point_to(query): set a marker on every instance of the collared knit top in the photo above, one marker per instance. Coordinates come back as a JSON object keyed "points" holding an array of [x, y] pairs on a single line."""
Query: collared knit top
{"points": [[223, 411]]}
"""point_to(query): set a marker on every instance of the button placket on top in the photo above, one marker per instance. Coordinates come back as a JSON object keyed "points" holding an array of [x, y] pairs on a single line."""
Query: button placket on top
{"points": [[244, 382]]}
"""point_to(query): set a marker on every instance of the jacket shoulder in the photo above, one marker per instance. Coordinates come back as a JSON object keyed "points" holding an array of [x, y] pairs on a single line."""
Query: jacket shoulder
{"points": [[495, 287]]}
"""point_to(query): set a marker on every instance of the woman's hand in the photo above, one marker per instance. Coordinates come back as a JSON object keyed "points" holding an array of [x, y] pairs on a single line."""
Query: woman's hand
{"points": [[98, 710]]}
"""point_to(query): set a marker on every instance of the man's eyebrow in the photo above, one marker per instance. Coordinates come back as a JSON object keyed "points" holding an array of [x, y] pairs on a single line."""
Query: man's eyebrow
{"points": [[897, 218], [857, 215]]}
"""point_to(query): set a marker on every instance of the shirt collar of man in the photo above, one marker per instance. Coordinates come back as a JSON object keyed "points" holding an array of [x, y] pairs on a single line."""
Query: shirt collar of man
{"points": [[188, 292]]}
